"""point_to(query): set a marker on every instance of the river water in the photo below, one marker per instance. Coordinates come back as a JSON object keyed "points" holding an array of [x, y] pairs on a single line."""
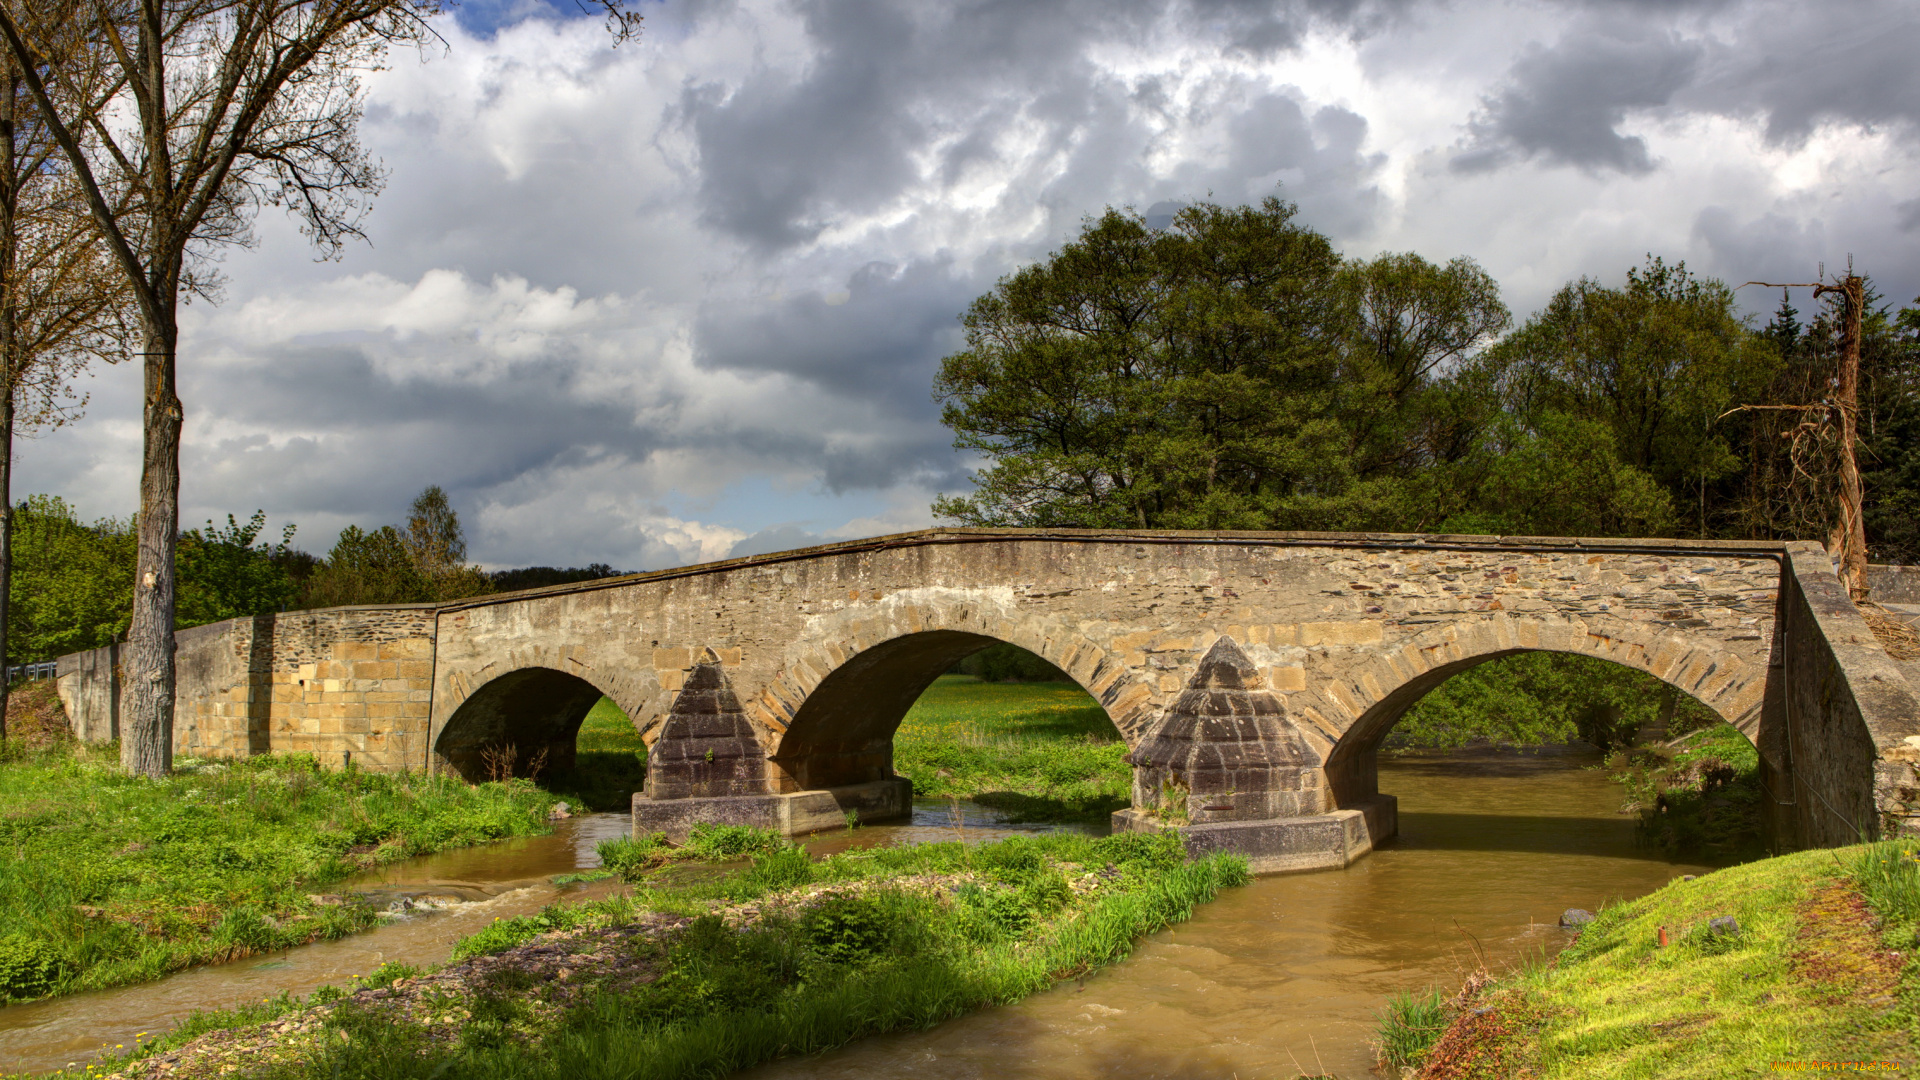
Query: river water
{"points": [[1288, 970]]}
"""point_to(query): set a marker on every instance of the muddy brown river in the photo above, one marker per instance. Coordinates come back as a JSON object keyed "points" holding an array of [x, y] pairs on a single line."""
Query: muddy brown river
{"points": [[1279, 978]]}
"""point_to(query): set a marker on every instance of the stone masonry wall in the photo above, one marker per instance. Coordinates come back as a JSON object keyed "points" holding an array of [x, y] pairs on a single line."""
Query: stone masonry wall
{"points": [[1849, 716], [353, 684], [89, 687], [1347, 630], [343, 684], [1894, 584]]}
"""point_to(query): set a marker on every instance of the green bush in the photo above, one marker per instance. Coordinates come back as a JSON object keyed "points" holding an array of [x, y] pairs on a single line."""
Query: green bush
{"points": [[850, 929], [30, 967], [503, 934]]}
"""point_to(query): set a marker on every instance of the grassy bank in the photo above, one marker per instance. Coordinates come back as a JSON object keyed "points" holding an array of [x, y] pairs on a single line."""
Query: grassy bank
{"points": [[781, 956], [1041, 751], [1815, 966], [1697, 793], [107, 878]]}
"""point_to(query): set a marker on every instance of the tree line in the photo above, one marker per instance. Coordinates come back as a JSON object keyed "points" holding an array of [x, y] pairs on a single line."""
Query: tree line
{"points": [[73, 581], [1235, 371]]}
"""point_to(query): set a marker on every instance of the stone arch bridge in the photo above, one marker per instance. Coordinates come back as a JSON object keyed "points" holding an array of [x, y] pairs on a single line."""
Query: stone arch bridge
{"points": [[1252, 675]]}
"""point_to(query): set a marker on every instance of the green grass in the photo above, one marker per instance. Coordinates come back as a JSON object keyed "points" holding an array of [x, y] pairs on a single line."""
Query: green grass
{"points": [[1043, 751], [877, 949], [1810, 975], [108, 879], [1702, 798], [610, 762], [1410, 1025]]}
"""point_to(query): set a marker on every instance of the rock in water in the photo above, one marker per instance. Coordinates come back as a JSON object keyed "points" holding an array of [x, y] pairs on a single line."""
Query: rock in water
{"points": [[1574, 917]]}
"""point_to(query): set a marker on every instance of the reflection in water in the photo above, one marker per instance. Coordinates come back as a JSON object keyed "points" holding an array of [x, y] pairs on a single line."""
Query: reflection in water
{"points": [[1284, 976], [1277, 978]]}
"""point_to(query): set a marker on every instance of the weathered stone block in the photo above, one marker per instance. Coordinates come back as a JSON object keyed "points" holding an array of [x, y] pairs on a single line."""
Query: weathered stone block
{"points": [[1281, 845], [793, 814]]}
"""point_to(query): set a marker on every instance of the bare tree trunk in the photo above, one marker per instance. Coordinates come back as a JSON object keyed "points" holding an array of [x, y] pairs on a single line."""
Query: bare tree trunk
{"points": [[146, 728], [6, 543], [1851, 533], [9, 361]]}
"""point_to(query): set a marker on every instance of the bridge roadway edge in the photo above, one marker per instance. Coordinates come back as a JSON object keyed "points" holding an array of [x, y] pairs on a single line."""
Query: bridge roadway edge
{"points": [[1839, 728]]}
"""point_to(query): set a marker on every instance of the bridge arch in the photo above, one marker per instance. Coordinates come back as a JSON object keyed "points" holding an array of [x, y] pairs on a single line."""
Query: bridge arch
{"points": [[1360, 708], [852, 681], [534, 706]]}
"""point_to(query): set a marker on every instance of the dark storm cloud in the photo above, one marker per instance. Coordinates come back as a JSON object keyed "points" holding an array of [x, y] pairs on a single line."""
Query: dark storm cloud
{"points": [[782, 156], [1790, 66], [882, 339], [1798, 66], [1565, 103], [880, 344], [1314, 160], [1769, 247], [1777, 247], [387, 437]]}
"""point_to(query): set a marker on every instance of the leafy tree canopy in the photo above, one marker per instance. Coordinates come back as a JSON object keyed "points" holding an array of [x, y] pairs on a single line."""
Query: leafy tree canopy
{"points": [[1235, 371]]}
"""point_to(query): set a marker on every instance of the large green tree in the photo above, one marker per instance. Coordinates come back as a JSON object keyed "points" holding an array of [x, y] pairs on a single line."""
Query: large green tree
{"points": [[1230, 371], [1657, 361], [424, 563], [72, 582]]}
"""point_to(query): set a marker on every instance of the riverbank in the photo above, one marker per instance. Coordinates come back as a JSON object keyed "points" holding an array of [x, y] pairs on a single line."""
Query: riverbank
{"points": [[108, 879], [1035, 751], [782, 956], [1698, 792], [1764, 967]]}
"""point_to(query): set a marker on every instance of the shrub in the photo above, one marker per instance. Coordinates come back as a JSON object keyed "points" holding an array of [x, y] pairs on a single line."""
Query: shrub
{"points": [[504, 934], [29, 967], [849, 929]]}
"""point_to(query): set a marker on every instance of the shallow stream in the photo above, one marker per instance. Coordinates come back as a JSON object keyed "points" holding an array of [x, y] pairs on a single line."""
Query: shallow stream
{"points": [[1268, 981], [1283, 977]]}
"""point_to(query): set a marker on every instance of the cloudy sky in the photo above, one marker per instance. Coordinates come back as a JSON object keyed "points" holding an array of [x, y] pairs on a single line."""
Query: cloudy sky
{"points": [[684, 298]]}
